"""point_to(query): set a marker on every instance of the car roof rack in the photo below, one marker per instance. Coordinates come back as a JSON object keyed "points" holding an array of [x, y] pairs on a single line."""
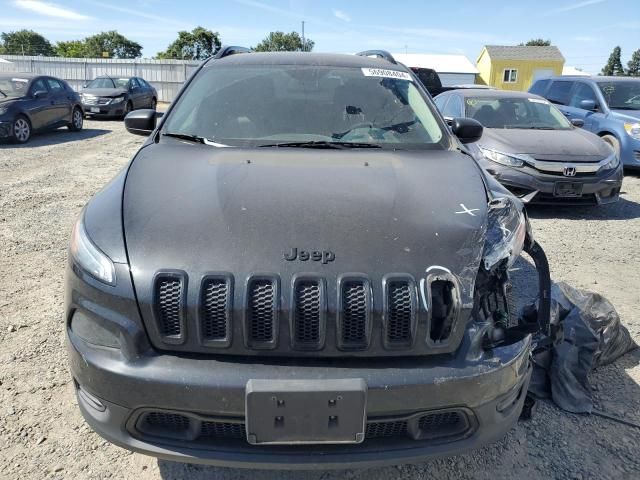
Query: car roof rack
{"points": [[228, 50], [378, 53]]}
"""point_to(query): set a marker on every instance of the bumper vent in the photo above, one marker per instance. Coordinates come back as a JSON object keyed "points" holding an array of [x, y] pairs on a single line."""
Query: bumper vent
{"points": [[442, 426], [261, 311], [169, 305], [354, 314], [215, 315], [401, 312], [308, 314]]}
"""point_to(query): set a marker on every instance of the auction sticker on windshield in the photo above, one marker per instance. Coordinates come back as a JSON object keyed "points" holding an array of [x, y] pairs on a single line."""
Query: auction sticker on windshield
{"points": [[384, 73]]}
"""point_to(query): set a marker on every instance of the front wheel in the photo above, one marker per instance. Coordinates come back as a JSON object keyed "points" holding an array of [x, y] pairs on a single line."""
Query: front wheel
{"points": [[77, 120], [21, 129], [127, 109]]}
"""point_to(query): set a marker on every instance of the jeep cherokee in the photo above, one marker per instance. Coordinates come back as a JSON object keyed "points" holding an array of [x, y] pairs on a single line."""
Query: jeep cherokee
{"points": [[302, 267]]}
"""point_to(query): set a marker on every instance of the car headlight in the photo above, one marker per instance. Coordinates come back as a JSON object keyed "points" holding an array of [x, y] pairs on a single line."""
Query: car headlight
{"points": [[508, 159], [117, 100], [612, 162], [633, 129], [506, 232], [3, 110], [89, 257]]}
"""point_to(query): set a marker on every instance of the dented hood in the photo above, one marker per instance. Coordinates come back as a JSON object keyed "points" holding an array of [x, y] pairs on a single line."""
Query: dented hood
{"points": [[203, 209]]}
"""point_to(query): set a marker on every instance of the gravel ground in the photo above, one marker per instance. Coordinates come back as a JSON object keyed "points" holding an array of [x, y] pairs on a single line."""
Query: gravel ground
{"points": [[42, 435]]}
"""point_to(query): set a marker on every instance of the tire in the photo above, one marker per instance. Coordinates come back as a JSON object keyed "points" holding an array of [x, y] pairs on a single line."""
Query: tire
{"points": [[127, 109], [21, 129], [154, 103], [613, 142], [77, 120]]}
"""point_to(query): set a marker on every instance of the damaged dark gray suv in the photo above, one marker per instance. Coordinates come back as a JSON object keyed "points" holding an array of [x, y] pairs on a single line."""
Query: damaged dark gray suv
{"points": [[302, 267]]}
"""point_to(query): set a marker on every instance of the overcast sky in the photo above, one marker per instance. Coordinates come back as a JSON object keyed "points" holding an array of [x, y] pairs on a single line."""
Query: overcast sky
{"points": [[585, 30]]}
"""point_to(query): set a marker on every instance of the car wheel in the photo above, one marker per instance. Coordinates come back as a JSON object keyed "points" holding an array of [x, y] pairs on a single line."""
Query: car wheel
{"points": [[77, 120], [613, 143], [21, 129], [154, 103], [127, 109]]}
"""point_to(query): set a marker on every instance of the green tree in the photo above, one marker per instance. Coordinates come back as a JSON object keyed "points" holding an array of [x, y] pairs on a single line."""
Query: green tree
{"points": [[633, 66], [114, 44], [72, 48], [25, 42], [614, 64], [284, 42], [198, 44], [537, 42]]}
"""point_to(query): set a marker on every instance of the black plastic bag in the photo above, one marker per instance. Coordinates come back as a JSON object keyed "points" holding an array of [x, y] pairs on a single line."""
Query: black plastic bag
{"points": [[593, 336]]}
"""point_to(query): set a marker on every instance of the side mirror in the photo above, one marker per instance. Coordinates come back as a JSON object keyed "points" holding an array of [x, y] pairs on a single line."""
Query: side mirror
{"points": [[467, 130], [577, 122], [141, 122], [588, 105], [40, 94]]}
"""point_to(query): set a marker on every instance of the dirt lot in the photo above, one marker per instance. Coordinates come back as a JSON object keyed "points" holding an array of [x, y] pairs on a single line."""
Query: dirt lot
{"points": [[43, 187]]}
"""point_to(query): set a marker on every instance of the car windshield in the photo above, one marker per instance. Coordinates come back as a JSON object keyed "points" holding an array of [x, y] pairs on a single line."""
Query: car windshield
{"points": [[621, 95], [13, 86], [106, 82], [516, 112], [312, 105]]}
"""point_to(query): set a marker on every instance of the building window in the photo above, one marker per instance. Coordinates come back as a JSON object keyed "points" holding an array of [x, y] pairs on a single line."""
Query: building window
{"points": [[510, 75]]}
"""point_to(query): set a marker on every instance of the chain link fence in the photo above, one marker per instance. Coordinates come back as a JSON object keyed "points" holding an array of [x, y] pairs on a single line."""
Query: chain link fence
{"points": [[167, 76]]}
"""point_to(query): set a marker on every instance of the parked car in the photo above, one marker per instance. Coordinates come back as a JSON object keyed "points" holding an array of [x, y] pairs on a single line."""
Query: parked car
{"points": [[115, 97], [33, 103], [534, 151], [301, 267], [609, 107]]}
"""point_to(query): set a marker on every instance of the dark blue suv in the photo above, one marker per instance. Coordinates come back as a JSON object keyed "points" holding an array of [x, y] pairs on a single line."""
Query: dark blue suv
{"points": [[609, 106]]}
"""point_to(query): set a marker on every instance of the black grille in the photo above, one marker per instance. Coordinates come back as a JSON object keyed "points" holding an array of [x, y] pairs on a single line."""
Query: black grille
{"points": [[222, 430], [169, 305], [442, 426], [261, 311], [636, 153], [215, 309], [354, 314], [165, 424], [386, 429], [401, 312], [308, 313]]}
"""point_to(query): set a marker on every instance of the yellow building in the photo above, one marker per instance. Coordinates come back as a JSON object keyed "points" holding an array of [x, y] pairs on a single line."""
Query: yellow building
{"points": [[517, 67]]}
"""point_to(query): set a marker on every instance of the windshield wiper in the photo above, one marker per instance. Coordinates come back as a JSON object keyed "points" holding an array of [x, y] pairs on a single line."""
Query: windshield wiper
{"points": [[625, 108], [193, 138], [322, 144], [5, 95]]}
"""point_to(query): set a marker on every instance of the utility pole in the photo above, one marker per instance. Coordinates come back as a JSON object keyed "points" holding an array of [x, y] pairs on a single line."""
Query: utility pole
{"points": [[304, 45]]}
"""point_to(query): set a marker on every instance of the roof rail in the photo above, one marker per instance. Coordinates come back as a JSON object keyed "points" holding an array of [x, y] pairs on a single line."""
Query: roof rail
{"points": [[378, 53], [228, 50]]}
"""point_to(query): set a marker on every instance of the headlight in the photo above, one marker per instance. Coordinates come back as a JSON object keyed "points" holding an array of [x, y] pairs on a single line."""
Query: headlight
{"points": [[506, 232], [3, 110], [612, 162], [89, 257], [633, 129], [508, 159], [117, 100]]}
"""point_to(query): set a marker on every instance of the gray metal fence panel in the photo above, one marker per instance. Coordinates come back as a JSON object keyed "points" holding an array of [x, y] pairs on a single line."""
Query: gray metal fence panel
{"points": [[167, 76]]}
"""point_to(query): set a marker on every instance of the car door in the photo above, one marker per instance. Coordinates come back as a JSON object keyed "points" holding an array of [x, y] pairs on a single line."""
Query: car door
{"points": [[40, 109], [61, 106], [136, 94], [584, 91], [147, 95]]}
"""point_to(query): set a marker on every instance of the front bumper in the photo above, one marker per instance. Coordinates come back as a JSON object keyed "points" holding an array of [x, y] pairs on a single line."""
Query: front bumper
{"points": [[534, 187], [113, 391], [115, 110], [6, 129], [630, 152]]}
